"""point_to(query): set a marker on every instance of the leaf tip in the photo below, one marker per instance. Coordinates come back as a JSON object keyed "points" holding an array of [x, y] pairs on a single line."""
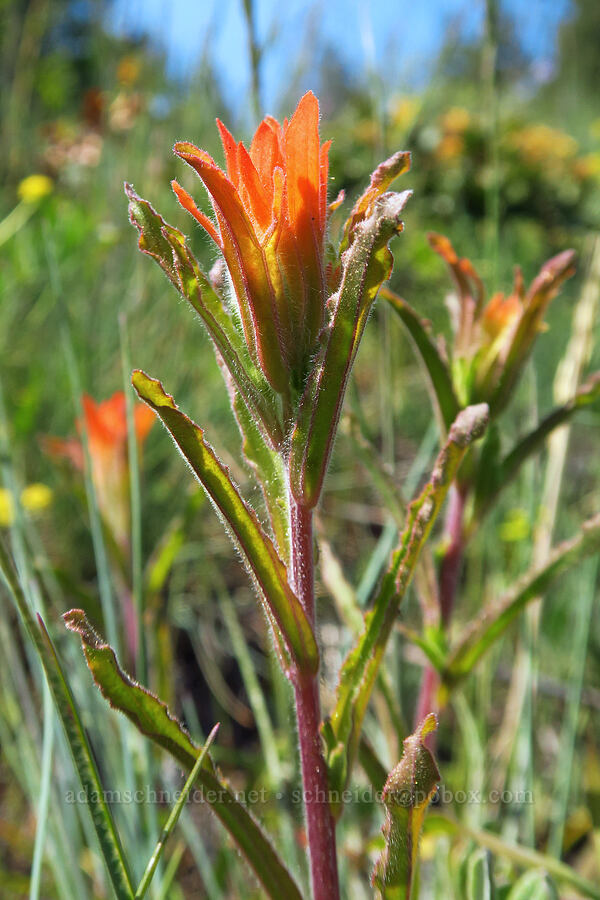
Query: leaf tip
{"points": [[76, 620], [470, 424]]}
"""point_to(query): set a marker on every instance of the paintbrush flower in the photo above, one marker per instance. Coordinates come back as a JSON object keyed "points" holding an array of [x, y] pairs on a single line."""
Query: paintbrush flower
{"points": [[271, 215], [105, 425]]}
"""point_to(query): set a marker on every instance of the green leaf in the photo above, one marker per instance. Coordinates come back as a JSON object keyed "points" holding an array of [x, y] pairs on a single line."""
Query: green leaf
{"points": [[283, 608], [519, 856], [527, 446], [406, 795], [151, 716], [445, 403], [366, 264], [534, 886], [168, 247], [173, 818], [83, 757], [493, 621], [361, 666], [487, 473], [480, 882]]}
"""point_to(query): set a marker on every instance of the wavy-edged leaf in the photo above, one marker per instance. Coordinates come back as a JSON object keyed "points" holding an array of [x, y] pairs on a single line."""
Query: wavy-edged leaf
{"points": [[366, 264], [281, 604], [493, 621], [358, 674], [151, 716], [406, 795], [83, 757], [445, 403], [169, 248]]}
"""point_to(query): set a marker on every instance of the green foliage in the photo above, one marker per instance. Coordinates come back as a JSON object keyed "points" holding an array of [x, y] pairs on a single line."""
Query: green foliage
{"points": [[153, 719], [406, 795], [86, 109], [78, 742], [357, 677], [292, 629]]}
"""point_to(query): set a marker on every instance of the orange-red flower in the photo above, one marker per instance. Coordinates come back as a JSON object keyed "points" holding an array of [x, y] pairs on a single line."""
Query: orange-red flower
{"points": [[493, 340], [271, 216], [106, 428]]}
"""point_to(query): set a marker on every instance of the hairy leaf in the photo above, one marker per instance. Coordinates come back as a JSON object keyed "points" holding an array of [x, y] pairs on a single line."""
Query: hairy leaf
{"points": [[151, 716], [366, 264], [406, 795], [268, 466], [382, 178], [281, 604]]}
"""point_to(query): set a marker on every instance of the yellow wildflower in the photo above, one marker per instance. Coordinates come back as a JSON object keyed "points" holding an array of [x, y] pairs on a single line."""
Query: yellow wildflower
{"points": [[34, 187], [36, 497], [456, 119], [404, 111]]}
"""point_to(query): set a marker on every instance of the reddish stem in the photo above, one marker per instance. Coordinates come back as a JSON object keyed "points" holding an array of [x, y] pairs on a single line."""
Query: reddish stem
{"points": [[319, 821], [449, 575], [452, 560]]}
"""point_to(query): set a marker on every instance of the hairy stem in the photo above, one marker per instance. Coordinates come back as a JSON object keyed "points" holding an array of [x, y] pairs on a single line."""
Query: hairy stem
{"points": [[319, 821], [448, 582]]}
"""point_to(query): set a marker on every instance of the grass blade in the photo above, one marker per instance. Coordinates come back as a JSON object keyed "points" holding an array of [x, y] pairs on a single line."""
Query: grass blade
{"points": [[44, 799], [173, 817], [85, 764], [520, 856]]}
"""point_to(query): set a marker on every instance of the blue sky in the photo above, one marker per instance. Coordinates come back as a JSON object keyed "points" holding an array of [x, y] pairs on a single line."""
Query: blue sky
{"points": [[394, 39]]}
